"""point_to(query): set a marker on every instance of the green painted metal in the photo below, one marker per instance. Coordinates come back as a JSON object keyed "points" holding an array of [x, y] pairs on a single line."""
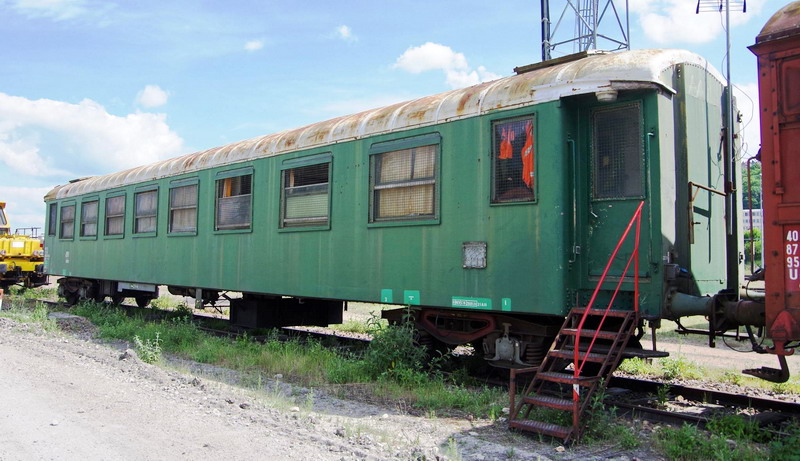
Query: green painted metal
{"points": [[542, 256]]}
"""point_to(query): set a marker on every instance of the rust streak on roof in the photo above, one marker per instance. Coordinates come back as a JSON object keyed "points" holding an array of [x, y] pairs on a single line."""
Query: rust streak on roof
{"points": [[587, 75]]}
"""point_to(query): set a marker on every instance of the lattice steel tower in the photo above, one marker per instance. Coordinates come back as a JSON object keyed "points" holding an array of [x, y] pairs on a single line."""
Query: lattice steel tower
{"points": [[596, 26]]}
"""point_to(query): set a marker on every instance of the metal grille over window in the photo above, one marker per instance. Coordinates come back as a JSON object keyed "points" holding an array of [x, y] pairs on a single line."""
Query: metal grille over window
{"points": [[52, 225], [233, 203], [513, 161], [305, 196], [89, 219], [67, 221], [404, 184], [618, 153], [145, 212], [115, 215], [183, 209]]}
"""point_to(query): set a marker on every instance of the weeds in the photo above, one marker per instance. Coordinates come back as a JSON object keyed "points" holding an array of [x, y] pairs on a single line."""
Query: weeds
{"points": [[149, 349], [690, 443], [679, 367], [737, 428], [639, 366], [27, 311], [662, 396], [787, 447]]}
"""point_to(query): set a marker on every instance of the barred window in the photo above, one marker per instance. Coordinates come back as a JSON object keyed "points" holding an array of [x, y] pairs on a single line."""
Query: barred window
{"points": [[234, 202], [67, 221], [145, 212], [183, 209], [305, 196], [404, 184], [115, 215], [513, 166], [52, 224], [89, 219], [617, 153]]}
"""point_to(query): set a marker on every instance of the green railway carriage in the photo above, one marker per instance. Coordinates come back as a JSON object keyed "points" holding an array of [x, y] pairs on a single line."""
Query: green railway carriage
{"points": [[491, 210]]}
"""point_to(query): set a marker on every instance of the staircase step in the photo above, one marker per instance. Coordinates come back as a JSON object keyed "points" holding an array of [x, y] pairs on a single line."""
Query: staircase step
{"points": [[549, 402], [602, 312], [542, 428], [569, 355], [612, 335], [566, 378]]}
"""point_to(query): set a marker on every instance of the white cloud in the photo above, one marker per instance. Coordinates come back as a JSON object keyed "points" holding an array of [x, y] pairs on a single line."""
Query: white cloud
{"points": [[24, 205], [674, 21], [65, 140], [433, 56], [152, 96], [345, 33], [58, 10], [254, 45]]}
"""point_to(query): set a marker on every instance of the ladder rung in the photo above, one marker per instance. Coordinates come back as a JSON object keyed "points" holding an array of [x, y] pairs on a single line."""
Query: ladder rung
{"points": [[590, 333], [602, 312], [566, 378], [542, 428], [569, 355], [550, 402]]}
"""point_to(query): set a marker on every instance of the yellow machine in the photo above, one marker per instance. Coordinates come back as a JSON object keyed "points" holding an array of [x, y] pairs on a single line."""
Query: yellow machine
{"points": [[21, 255]]}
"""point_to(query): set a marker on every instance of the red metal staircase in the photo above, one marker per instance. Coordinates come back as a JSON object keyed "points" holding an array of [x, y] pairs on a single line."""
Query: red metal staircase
{"points": [[593, 341]]}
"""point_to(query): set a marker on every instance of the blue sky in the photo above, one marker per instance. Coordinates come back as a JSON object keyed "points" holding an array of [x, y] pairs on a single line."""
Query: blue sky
{"points": [[91, 87]]}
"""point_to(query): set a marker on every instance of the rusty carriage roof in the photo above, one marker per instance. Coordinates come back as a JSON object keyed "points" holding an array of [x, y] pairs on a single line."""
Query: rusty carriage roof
{"points": [[596, 72]]}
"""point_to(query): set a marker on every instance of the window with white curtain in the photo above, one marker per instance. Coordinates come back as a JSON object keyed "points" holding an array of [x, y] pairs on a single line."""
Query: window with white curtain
{"points": [[145, 211], [89, 219], [115, 215], [404, 184], [183, 209], [67, 221]]}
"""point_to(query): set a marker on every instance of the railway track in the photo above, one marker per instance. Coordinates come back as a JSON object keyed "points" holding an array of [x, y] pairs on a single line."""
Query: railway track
{"points": [[636, 397]]}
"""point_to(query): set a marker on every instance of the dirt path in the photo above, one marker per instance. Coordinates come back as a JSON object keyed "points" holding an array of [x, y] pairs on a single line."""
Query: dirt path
{"points": [[66, 398], [70, 397]]}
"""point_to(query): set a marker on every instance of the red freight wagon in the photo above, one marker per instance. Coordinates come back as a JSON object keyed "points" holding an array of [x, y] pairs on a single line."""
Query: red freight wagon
{"points": [[778, 51]]}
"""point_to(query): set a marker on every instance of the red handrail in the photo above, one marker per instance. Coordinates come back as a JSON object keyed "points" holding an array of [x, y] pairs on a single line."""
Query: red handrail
{"points": [[577, 364]]}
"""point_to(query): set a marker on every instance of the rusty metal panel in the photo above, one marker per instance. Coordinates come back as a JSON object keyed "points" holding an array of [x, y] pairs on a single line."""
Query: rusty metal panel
{"points": [[597, 72], [778, 51]]}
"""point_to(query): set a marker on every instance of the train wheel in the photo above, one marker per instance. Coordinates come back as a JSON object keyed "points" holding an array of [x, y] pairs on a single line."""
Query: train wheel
{"points": [[72, 298], [143, 301], [117, 299]]}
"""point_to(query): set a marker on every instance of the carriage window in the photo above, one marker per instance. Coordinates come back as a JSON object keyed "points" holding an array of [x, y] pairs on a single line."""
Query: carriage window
{"points": [[115, 215], [617, 153], [183, 209], [233, 202], [403, 184], [513, 161], [89, 219], [145, 212], [67, 221], [52, 225], [305, 196]]}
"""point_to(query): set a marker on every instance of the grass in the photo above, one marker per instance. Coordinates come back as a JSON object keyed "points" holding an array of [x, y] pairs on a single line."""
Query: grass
{"points": [[394, 370], [26, 310]]}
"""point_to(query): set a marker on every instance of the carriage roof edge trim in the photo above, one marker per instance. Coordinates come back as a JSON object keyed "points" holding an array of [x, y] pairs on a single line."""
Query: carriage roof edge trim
{"points": [[624, 70]]}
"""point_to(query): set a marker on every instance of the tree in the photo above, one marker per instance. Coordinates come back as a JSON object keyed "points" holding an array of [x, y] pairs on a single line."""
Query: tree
{"points": [[752, 238], [755, 185]]}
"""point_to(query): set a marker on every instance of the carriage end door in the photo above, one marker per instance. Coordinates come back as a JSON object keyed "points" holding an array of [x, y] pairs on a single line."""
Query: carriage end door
{"points": [[617, 172]]}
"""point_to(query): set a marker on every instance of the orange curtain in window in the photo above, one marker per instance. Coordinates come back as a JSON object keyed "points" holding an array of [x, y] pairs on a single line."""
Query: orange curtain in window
{"points": [[527, 156], [505, 144]]}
